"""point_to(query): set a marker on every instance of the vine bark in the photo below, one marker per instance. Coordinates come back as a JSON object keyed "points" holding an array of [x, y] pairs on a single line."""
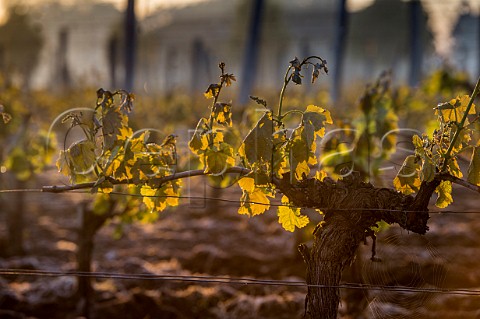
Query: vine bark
{"points": [[351, 207]]}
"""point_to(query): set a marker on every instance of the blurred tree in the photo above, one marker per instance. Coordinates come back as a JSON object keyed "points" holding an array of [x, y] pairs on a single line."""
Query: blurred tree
{"points": [[342, 29], [62, 72], [251, 50], [130, 44], [273, 39], [20, 44], [415, 41], [112, 60]]}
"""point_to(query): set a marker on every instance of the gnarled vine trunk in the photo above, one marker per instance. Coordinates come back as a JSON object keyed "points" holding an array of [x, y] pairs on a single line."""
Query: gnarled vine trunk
{"points": [[351, 207], [334, 248]]}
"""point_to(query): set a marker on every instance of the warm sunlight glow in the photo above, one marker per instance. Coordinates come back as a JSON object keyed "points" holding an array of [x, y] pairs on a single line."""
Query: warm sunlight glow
{"points": [[443, 14]]}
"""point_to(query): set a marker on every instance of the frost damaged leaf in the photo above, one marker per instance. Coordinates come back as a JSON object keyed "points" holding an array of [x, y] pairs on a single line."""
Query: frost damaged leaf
{"points": [[295, 63], [258, 100], [289, 217], [317, 67], [297, 77], [212, 91], [228, 78]]}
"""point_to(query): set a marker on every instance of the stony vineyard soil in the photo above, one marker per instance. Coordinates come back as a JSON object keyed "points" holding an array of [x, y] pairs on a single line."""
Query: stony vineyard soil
{"points": [[201, 239]]}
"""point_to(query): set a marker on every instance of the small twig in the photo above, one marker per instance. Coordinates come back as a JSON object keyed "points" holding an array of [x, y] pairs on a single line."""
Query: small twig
{"points": [[161, 180]]}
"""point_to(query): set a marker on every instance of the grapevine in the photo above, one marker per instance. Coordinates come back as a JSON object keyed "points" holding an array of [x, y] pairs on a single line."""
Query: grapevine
{"points": [[273, 158]]}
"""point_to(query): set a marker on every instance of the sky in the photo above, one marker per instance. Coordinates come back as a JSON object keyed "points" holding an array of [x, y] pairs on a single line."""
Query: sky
{"points": [[442, 13]]}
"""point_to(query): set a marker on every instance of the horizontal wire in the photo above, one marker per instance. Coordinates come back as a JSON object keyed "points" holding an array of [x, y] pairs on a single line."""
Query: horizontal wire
{"points": [[22, 190], [233, 280], [238, 202]]}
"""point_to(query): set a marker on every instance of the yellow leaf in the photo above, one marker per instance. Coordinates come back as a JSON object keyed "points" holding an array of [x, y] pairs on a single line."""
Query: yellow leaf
{"points": [[290, 217], [260, 201], [208, 94], [212, 91], [241, 150], [453, 168], [474, 167], [172, 199], [255, 202], [157, 199], [317, 109], [125, 132], [444, 191], [106, 190], [199, 142], [320, 175], [417, 141], [301, 170], [247, 184], [218, 137], [148, 192], [105, 187], [219, 159], [63, 163], [428, 170], [407, 180], [454, 110]]}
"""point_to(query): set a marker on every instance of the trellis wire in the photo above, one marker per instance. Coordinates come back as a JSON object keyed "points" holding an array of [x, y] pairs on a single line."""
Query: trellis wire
{"points": [[238, 202], [233, 281]]}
